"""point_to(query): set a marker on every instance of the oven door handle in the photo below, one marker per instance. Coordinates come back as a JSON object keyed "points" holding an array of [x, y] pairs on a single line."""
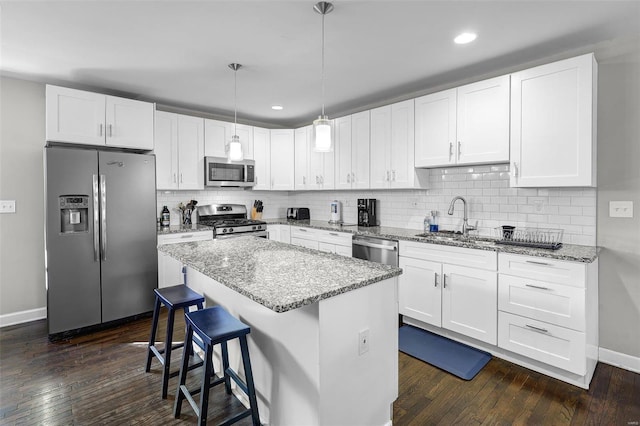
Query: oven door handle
{"points": [[372, 245]]}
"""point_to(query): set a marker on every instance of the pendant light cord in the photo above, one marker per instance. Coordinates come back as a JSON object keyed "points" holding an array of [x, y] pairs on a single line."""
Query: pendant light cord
{"points": [[235, 102], [322, 74]]}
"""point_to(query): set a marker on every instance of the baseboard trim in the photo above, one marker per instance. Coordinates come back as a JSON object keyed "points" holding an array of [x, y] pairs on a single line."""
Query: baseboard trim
{"points": [[22, 317], [617, 359]]}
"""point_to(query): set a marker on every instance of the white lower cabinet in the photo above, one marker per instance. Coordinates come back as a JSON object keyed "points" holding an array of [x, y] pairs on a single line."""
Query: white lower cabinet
{"points": [[278, 232], [451, 296], [548, 311], [318, 239], [170, 269]]}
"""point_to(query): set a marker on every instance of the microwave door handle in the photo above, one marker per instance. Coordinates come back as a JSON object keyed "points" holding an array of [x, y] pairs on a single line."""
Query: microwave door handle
{"points": [[96, 220], [103, 216]]}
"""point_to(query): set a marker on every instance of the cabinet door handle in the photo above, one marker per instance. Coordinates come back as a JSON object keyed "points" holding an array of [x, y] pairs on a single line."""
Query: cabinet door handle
{"points": [[353, 178], [348, 177], [302, 230], [322, 180], [317, 180], [538, 263], [459, 149], [101, 125], [110, 130], [541, 330], [388, 174], [514, 171], [185, 236], [450, 150], [334, 234], [444, 280], [435, 280], [304, 180], [181, 181], [174, 178], [537, 286], [393, 175]]}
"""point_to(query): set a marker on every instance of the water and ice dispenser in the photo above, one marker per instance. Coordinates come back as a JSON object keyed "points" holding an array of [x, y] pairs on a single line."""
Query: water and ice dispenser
{"points": [[74, 213]]}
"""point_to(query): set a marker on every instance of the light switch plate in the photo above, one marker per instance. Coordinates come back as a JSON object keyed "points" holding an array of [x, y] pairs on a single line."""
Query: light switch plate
{"points": [[7, 206], [620, 208]]}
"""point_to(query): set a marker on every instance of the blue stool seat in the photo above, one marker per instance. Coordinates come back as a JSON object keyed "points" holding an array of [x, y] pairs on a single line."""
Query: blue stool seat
{"points": [[176, 297], [216, 326]]}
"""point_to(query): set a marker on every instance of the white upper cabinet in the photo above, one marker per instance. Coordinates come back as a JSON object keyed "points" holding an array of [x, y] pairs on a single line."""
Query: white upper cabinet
{"points": [[320, 166], [77, 116], [301, 179], [179, 151], [262, 157], [553, 124], [352, 151], [392, 146], [282, 157], [465, 125], [217, 135]]}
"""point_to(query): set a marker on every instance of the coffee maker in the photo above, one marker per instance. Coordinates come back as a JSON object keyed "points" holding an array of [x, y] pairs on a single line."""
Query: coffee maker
{"points": [[367, 212]]}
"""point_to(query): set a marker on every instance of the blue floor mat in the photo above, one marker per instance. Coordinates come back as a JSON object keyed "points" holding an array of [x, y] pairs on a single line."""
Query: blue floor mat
{"points": [[458, 359]]}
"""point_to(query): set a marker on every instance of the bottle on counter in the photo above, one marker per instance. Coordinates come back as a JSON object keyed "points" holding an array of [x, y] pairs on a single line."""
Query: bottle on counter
{"points": [[433, 227], [165, 218], [427, 223]]}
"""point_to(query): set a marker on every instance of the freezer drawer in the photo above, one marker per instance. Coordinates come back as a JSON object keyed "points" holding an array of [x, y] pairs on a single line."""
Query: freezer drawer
{"points": [[553, 345]]}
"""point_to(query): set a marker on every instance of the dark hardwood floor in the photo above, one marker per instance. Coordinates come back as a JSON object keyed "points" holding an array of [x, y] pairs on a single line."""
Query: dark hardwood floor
{"points": [[100, 379]]}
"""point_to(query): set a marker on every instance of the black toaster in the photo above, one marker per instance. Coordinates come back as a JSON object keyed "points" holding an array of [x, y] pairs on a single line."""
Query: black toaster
{"points": [[298, 213]]}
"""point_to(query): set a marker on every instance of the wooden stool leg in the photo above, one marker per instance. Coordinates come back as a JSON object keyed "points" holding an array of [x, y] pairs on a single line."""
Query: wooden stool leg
{"points": [[167, 353], [206, 385], [225, 367], [246, 363], [184, 369], [152, 338]]}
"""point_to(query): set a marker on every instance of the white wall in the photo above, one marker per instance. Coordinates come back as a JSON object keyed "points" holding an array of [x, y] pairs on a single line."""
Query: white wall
{"points": [[22, 285]]}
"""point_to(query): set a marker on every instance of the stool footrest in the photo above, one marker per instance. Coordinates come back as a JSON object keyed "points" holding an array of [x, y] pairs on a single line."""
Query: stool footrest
{"points": [[235, 418], [238, 380], [188, 395]]}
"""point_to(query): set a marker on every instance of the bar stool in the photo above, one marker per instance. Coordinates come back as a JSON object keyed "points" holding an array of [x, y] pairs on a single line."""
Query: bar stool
{"points": [[216, 326], [176, 297]]}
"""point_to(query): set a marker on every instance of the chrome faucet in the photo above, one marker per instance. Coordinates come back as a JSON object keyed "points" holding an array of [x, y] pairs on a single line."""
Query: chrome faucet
{"points": [[465, 225]]}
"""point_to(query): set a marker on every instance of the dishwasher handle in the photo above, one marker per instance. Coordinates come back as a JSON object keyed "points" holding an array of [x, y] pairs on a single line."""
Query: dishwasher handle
{"points": [[373, 245]]}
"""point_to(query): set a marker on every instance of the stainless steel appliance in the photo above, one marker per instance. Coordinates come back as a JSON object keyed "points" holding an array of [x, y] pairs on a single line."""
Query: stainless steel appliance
{"points": [[377, 250], [298, 213], [335, 212], [367, 212], [220, 172], [101, 258], [230, 220]]}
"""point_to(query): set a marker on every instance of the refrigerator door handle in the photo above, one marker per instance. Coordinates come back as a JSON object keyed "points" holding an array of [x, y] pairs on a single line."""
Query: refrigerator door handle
{"points": [[103, 216], [96, 220]]}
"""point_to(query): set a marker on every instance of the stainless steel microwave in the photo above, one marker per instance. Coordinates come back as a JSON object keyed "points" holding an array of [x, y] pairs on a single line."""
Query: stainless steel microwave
{"points": [[220, 172]]}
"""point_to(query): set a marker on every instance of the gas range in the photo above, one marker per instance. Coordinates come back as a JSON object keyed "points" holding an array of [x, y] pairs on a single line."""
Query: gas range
{"points": [[230, 220]]}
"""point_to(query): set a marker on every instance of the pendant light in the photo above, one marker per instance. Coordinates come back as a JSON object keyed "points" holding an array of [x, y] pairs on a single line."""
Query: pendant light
{"points": [[322, 132], [234, 147]]}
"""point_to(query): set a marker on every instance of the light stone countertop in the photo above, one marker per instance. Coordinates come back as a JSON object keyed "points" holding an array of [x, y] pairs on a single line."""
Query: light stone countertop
{"points": [[278, 276], [570, 252], [180, 229]]}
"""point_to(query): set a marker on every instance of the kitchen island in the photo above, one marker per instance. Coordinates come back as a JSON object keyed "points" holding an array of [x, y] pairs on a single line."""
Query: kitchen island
{"points": [[324, 337]]}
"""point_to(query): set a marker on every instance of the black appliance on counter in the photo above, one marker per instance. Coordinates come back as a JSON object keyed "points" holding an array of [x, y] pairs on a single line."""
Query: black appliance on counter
{"points": [[298, 213], [230, 220], [367, 212]]}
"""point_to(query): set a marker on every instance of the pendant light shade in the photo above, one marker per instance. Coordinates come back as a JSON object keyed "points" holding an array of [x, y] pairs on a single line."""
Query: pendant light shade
{"points": [[322, 136], [234, 147]]}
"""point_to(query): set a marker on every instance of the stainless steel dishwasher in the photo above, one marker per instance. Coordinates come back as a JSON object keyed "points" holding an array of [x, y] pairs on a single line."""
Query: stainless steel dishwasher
{"points": [[374, 249]]}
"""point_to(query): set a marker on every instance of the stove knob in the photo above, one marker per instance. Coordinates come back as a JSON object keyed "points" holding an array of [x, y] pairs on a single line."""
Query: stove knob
{"points": [[224, 231], [253, 227], [230, 229]]}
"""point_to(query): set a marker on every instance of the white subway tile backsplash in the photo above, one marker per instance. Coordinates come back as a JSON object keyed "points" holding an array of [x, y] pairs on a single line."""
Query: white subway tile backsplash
{"points": [[490, 201]]}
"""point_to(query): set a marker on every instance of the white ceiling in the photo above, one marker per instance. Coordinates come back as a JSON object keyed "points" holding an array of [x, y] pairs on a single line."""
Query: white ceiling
{"points": [[176, 52]]}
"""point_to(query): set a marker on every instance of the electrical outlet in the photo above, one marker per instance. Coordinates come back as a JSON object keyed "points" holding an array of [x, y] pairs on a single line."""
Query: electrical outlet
{"points": [[363, 341], [7, 206], [620, 208]]}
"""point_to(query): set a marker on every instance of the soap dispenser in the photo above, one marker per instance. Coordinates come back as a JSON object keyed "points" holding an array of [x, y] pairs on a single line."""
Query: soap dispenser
{"points": [[433, 227]]}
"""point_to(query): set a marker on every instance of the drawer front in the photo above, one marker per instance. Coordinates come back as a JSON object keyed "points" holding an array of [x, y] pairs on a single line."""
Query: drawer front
{"points": [[543, 269], [344, 250], [326, 247], [553, 345], [483, 259], [549, 302], [185, 237], [306, 233], [312, 244], [338, 238]]}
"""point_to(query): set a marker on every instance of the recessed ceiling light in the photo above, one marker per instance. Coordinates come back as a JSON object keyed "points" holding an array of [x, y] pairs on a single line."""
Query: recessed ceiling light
{"points": [[277, 107], [465, 38]]}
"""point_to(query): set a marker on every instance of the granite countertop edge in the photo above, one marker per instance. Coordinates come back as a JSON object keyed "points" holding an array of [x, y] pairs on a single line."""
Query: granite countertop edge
{"points": [[569, 252], [181, 229]]}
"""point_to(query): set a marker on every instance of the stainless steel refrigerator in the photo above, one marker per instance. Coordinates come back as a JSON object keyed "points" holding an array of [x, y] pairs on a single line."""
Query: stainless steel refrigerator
{"points": [[101, 258]]}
